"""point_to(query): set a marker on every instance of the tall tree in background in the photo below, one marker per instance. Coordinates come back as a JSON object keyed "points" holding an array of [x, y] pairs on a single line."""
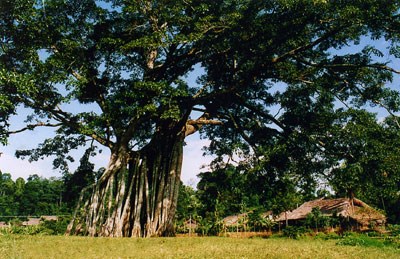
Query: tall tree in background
{"points": [[8, 203], [36, 197], [367, 152], [272, 75], [83, 176]]}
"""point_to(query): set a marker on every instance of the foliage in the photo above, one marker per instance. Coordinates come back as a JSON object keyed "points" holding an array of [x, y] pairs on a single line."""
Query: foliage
{"points": [[257, 221], [9, 195], [226, 191], [81, 178], [317, 220], [295, 232], [56, 227], [47, 227], [367, 151], [188, 203], [36, 197], [366, 241], [394, 229]]}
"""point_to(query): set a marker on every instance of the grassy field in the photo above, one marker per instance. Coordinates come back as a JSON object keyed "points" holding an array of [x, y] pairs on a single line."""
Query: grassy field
{"points": [[14, 246]]}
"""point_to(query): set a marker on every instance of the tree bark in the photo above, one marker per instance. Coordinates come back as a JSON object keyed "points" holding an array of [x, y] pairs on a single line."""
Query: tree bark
{"points": [[137, 195]]}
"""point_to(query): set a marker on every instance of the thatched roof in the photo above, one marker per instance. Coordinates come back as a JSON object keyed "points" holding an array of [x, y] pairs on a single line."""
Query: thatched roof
{"points": [[3, 224], [31, 222], [49, 218], [234, 219], [356, 209], [241, 218], [190, 223]]}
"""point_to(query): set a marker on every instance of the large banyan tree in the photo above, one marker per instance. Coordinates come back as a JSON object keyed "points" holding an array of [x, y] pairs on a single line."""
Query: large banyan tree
{"points": [[114, 72]]}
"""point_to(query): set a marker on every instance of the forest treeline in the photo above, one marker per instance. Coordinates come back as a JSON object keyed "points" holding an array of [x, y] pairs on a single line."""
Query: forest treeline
{"points": [[35, 196], [219, 193], [38, 196]]}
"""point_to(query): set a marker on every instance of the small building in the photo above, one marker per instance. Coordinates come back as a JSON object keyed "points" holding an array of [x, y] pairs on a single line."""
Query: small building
{"points": [[31, 222], [49, 218], [242, 220], [234, 220], [191, 225], [4, 224], [360, 215]]}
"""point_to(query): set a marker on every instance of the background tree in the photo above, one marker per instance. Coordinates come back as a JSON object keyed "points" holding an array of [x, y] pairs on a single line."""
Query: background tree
{"points": [[268, 79], [42, 196], [366, 153], [36, 197], [8, 205], [188, 204], [225, 190], [83, 177]]}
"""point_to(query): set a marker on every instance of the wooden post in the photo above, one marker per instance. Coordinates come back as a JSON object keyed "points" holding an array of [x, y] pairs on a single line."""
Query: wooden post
{"points": [[190, 225]]}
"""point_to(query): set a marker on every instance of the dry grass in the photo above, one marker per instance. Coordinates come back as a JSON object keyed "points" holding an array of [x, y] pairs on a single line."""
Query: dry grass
{"points": [[196, 247]]}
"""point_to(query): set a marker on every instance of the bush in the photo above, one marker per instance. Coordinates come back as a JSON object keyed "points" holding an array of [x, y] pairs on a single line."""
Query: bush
{"points": [[28, 230], [366, 241], [295, 232], [351, 241], [328, 236], [58, 227], [44, 228], [394, 230]]}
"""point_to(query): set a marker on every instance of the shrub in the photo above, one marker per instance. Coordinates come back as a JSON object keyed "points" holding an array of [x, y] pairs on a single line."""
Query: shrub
{"points": [[44, 228], [328, 236], [27, 230], [54, 227], [295, 232], [366, 241], [394, 230]]}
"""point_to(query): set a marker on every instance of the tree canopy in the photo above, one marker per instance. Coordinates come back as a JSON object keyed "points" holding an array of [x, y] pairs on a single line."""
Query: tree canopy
{"points": [[36, 196], [277, 77]]}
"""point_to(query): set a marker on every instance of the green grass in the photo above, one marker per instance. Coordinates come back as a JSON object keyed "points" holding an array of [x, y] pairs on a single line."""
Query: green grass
{"points": [[18, 246]]}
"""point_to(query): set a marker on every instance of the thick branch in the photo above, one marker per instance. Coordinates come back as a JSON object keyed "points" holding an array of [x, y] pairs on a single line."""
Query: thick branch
{"points": [[66, 119], [376, 66], [349, 65], [395, 117], [193, 126], [246, 137], [260, 113], [33, 126], [204, 122], [308, 46]]}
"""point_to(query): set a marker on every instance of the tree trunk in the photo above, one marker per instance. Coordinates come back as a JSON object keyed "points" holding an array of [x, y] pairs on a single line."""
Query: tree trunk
{"points": [[136, 196]]}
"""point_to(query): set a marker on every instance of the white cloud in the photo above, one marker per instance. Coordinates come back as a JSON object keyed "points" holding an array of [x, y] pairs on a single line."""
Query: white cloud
{"points": [[23, 168]]}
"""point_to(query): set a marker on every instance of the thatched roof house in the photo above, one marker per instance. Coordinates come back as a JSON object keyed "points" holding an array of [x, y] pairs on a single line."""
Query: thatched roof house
{"points": [[355, 210], [242, 218], [31, 222], [49, 218], [4, 224], [234, 220], [190, 224]]}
